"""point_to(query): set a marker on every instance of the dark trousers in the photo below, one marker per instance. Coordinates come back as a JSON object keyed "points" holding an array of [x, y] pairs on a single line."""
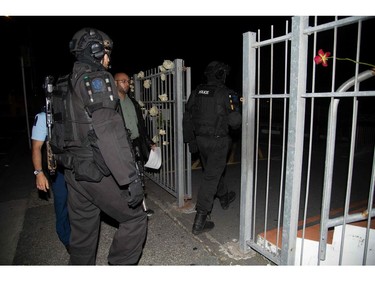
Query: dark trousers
{"points": [[213, 155], [60, 201], [86, 201]]}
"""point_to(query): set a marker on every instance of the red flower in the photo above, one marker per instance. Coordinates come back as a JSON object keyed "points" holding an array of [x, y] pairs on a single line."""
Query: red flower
{"points": [[322, 58]]}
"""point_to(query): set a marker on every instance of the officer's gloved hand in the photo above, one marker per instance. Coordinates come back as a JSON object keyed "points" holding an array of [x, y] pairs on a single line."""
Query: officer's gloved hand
{"points": [[136, 193], [193, 146]]}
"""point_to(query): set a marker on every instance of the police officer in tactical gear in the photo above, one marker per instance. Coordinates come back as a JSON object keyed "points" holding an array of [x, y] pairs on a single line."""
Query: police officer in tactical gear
{"points": [[101, 173], [210, 111]]}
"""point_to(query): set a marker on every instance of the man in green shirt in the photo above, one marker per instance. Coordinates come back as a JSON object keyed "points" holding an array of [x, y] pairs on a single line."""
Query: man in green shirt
{"points": [[131, 110]]}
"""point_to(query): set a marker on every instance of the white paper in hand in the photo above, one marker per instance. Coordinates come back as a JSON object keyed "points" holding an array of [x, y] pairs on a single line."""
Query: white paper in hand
{"points": [[154, 160]]}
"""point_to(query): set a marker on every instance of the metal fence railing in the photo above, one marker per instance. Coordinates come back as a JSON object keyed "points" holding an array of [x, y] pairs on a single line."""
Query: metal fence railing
{"points": [[311, 193], [163, 91]]}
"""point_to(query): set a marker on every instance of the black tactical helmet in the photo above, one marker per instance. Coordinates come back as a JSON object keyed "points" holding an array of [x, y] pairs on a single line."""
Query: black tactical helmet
{"points": [[90, 41], [217, 69]]}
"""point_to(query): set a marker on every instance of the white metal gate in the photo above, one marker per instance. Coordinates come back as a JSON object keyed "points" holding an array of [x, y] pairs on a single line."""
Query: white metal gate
{"points": [[308, 169], [162, 92]]}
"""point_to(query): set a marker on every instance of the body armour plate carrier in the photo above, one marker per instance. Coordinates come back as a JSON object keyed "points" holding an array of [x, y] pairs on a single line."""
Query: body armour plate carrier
{"points": [[72, 126], [208, 112]]}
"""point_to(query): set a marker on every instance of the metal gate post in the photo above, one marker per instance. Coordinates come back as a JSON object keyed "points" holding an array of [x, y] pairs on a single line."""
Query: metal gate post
{"points": [[187, 155], [298, 76], [247, 149], [180, 168]]}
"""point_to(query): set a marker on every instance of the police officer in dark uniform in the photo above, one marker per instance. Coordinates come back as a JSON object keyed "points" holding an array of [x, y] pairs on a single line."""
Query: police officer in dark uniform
{"points": [[100, 170], [210, 112]]}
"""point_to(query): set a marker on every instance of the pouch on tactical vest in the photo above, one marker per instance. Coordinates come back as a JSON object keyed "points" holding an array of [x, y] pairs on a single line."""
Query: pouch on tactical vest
{"points": [[97, 155]]}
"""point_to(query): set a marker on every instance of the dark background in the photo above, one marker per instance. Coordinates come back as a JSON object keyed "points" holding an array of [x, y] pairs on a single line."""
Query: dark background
{"points": [[144, 42], [140, 43]]}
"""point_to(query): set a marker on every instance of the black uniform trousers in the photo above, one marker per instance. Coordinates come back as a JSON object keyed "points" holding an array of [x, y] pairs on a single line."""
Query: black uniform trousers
{"points": [[213, 155], [85, 201]]}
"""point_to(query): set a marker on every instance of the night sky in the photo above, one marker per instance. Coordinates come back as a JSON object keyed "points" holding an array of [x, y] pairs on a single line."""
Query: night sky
{"points": [[140, 43]]}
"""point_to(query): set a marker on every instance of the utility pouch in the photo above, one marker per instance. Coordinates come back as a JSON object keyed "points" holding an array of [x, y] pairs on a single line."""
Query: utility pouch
{"points": [[97, 155], [65, 160], [86, 170]]}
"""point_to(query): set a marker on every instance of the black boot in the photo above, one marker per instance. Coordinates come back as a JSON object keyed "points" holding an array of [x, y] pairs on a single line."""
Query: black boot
{"points": [[201, 224], [149, 212], [227, 199]]}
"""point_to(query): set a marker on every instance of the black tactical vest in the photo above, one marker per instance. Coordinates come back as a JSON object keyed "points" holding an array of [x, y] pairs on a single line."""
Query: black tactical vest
{"points": [[209, 111], [72, 125]]}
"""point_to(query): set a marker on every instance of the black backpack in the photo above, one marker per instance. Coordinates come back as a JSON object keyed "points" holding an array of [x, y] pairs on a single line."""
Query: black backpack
{"points": [[56, 112]]}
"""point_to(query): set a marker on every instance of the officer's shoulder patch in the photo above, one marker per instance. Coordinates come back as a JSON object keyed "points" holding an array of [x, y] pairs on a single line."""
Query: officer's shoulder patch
{"points": [[98, 84]]}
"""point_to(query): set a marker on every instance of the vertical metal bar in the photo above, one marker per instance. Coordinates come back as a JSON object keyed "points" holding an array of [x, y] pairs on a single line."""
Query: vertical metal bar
{"points": [[188, 155], [310, 152], [329, 160], [369, 210], [334, 58], [328, 174], [356, 85], [350, 176], [172, 175], [179, 168], [298, 74], [247, 146], [352, 148], [281, 192], [257, 149], [269, 142], [173, 149], [371, 192]]}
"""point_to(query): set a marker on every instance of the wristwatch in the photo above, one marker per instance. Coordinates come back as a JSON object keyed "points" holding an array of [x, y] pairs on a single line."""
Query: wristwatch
{"points": [[36, 172]]}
